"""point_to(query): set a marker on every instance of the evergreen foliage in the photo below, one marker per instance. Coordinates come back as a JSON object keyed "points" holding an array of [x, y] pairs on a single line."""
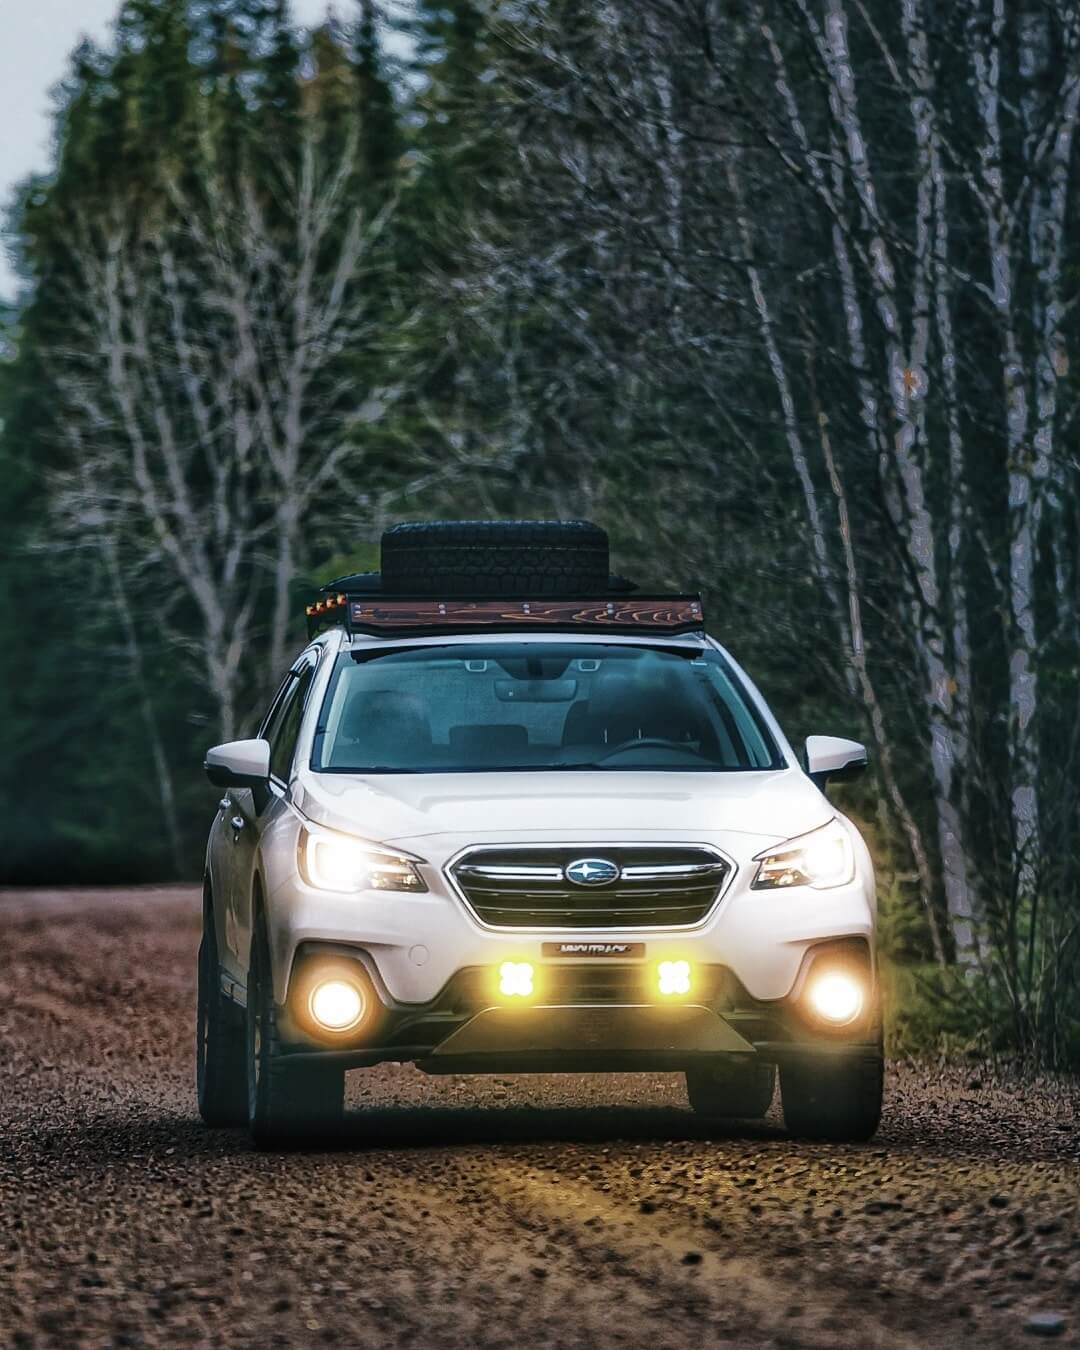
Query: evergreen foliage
{"points": [[623, 261], [380, 130]]}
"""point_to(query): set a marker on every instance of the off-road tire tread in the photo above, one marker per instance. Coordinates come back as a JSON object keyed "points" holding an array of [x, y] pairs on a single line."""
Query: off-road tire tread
{"points": [[298, 1102], [840, 1102], [221, 1078], [736, 1092], [496, 558]]}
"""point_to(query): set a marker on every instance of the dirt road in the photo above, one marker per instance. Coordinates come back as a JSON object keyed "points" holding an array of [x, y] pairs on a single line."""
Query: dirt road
{"points": [[538, 1211]]}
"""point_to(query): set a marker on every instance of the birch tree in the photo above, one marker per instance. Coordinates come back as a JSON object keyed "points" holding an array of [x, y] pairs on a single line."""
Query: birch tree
{"points": [[880, 198], [208, 402]]}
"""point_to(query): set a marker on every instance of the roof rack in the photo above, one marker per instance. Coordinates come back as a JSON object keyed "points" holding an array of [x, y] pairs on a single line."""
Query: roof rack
{"points": [[413, 616]]}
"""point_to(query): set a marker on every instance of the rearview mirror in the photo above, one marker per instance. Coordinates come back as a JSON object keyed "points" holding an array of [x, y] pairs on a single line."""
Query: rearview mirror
{"points": [[832, 759], [239, 764]]}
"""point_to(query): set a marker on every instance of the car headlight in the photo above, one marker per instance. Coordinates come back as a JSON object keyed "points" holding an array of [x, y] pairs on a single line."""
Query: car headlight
{"points": [[820, 859], [338, 862]]}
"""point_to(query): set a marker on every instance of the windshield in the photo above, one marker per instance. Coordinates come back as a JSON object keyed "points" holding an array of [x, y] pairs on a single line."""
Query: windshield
{"points": [[464, 708]]}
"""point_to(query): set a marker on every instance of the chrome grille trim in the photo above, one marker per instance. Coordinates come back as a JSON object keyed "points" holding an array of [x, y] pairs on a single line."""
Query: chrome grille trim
{"points": [[678, 887], [513, 873], [673, 870]]}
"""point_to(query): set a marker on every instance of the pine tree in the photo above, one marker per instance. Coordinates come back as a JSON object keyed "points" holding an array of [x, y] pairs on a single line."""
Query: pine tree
{"points": [[453, 51], [281, 63], [155, 35], [456, 195], [279, 90], [254, 71], [54, 709], [329, 93], [94, 111], [230, 120], [381, 141]]}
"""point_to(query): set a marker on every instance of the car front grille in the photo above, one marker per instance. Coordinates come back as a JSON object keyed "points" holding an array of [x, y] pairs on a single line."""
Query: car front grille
{"points": [[657, 886]]}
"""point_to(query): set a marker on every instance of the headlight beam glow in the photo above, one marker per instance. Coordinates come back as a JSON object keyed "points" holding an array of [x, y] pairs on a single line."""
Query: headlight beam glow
{"points": [[836, 997], [336, 1005]]}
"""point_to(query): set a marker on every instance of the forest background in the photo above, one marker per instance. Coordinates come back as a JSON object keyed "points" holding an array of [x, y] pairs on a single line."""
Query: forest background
{"points": [[783, 293]]}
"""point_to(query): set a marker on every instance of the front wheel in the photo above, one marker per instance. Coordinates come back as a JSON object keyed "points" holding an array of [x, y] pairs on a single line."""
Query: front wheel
{"points": [[219, 1046], [833, 1101], [731, 1091], [287, 1102]]}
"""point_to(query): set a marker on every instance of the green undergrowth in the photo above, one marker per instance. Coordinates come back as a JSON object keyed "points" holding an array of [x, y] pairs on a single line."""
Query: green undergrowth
{"points": [[952, 1014]]}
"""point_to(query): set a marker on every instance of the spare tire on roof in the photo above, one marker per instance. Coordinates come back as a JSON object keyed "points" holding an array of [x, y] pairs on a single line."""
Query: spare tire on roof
{"points": [[495, 558]]}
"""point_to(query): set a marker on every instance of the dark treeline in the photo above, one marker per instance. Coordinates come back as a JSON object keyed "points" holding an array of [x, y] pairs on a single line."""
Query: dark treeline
{"points": [[782, 293]]}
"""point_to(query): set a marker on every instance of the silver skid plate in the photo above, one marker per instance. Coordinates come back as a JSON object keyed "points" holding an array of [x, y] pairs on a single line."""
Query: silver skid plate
{"points": [[588, 1027]]}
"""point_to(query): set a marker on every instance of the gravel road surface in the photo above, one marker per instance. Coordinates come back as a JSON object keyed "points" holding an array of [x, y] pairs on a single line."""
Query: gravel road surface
{"points": [[536, 1210]]}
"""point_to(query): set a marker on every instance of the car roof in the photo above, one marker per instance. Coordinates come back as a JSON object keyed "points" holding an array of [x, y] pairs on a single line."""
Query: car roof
{"points": [[362, 642]]}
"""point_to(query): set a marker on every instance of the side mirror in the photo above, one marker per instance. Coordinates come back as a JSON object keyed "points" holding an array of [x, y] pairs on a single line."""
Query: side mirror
{"points": [[832, 759], [239, 764]]}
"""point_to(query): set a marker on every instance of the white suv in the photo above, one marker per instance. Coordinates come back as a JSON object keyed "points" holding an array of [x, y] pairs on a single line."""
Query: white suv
{"points": [[505, 834]]}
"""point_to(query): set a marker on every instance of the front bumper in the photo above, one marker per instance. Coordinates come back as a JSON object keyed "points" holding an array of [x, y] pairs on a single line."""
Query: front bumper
{"points": [[588, 1016], [421, 942]]}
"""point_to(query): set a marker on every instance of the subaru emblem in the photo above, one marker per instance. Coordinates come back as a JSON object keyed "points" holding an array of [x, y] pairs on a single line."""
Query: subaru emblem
{"points": [[591, 872]]}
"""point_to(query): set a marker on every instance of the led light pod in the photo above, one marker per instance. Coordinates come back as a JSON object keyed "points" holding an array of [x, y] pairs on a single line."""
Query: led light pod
{"points": [[673, 978], [516, 979]]}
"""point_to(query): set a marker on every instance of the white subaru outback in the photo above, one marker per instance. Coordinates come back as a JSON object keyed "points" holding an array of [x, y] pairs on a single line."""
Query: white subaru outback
{"points": [[507, 815]]}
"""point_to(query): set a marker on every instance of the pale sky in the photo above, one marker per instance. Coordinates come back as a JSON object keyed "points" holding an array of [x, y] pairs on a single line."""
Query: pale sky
{"points": [[36, 38]]}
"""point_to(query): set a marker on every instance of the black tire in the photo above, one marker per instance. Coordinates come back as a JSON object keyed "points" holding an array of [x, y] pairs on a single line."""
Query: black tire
{"points": [[731, 1091], [220, 1073], [496, 558], [287, 1103], [833, 1101]]}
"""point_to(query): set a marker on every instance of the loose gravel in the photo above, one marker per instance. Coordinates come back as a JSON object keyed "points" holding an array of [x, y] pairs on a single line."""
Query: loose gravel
{"points": [[540, 1209]]}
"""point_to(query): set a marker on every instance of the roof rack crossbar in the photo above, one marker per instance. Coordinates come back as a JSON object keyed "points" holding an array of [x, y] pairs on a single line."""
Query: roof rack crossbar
{"points": [[413, 616]]}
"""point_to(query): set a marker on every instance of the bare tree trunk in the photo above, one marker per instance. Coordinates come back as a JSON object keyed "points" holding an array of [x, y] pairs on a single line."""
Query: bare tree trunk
{"points": [[850, 627], [211, 399], [911, 511], [858, 656], [1023, 484]]}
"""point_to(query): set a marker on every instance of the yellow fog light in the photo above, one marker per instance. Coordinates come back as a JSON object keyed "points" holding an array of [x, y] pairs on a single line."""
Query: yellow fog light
{"points": [[516, 979], [336, 1005], [836, 998], [673, 977]]}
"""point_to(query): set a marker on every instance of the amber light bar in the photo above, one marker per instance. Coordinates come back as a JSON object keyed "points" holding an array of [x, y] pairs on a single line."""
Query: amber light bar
{"points": [[321, 606], [638, 613], [672, 614]]}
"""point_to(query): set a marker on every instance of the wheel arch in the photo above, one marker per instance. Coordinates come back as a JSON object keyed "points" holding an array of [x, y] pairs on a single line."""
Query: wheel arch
{"points": [[263, 928], [212, 915]]}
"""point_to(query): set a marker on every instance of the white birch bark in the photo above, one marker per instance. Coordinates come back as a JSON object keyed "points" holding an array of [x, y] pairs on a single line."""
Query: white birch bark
{"points": [[930, 303], [905, 378], [203, 384], [1024, 485], [848, 617]]}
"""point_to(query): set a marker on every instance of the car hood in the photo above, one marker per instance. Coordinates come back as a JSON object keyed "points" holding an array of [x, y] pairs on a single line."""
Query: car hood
{"points": [[395, 808]]}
